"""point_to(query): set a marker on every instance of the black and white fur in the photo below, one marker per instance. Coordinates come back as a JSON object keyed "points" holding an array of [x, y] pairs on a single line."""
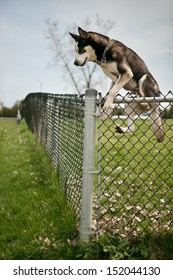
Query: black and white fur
{"points": [[126, 70]]}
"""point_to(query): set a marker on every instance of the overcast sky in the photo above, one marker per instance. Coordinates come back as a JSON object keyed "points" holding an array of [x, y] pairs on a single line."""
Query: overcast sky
{"points": [[145, 26]]}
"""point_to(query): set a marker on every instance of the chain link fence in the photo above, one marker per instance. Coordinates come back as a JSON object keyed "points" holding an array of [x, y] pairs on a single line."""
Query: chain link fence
{"points": [[132, 193], [135, 180], [58, 122]]}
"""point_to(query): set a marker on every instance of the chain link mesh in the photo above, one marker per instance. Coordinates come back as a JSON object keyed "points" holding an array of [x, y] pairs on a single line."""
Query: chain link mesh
{"points": [[135, 177], [135, 180], [58, 122]]}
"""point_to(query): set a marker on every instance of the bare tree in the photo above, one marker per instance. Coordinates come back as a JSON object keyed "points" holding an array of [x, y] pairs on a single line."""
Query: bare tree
{"points": [[61, 46]]}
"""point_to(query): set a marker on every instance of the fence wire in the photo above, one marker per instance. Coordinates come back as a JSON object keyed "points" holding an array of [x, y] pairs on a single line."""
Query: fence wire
{"points": [[135, 180], [134, 192], [58, 122]]}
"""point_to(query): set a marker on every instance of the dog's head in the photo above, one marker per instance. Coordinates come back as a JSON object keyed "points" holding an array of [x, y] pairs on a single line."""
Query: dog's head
{"points": [[84, 49]]}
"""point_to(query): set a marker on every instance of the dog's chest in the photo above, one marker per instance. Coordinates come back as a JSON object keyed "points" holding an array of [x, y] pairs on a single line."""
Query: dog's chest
{"points": [[110, 69]]}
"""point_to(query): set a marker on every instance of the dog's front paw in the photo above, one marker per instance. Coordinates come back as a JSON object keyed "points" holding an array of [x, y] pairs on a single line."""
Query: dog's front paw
{"points": [[108, 105], [108, 108], [106, 114]]}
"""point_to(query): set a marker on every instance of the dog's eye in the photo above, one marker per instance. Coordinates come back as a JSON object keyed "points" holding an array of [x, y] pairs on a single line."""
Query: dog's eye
{"points": [[81, 50]]}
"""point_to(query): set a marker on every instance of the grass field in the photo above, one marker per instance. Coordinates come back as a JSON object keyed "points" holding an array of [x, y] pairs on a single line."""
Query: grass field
{"points": [[36, 222]]}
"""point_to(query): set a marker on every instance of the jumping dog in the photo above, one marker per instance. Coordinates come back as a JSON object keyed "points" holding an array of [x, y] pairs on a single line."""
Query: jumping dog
{"points": [[126, 70]]}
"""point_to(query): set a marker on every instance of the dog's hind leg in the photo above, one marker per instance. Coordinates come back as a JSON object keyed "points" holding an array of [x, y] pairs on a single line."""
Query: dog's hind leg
{"points": [[129, 110], [148, 86], [157, 122]]}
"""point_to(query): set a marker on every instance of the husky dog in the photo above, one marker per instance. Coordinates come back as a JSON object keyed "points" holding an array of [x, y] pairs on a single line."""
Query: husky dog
{"points": [[126, 70]]}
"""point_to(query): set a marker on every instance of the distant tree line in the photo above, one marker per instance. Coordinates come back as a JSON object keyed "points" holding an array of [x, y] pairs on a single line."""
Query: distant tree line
{"points": [[12, 112]]}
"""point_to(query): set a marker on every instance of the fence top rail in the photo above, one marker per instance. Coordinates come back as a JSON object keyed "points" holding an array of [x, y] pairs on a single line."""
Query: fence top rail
{"points": [[53, 95], [118, 99], [143, 99]]}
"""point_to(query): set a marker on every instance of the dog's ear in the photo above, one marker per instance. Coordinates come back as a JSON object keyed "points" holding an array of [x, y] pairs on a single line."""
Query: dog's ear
{"points": [[74, 36], [83, 33]]}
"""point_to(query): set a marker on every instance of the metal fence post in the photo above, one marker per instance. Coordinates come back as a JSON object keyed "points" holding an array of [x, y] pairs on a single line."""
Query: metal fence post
{"points": [[88, 165]]}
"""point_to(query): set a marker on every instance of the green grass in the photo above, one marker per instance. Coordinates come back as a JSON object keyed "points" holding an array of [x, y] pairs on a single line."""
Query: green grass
{"points": [[36, 222]]}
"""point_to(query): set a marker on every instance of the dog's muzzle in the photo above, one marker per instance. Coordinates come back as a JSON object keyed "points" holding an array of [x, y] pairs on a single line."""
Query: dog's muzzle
{"points": [[78, 63]]}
